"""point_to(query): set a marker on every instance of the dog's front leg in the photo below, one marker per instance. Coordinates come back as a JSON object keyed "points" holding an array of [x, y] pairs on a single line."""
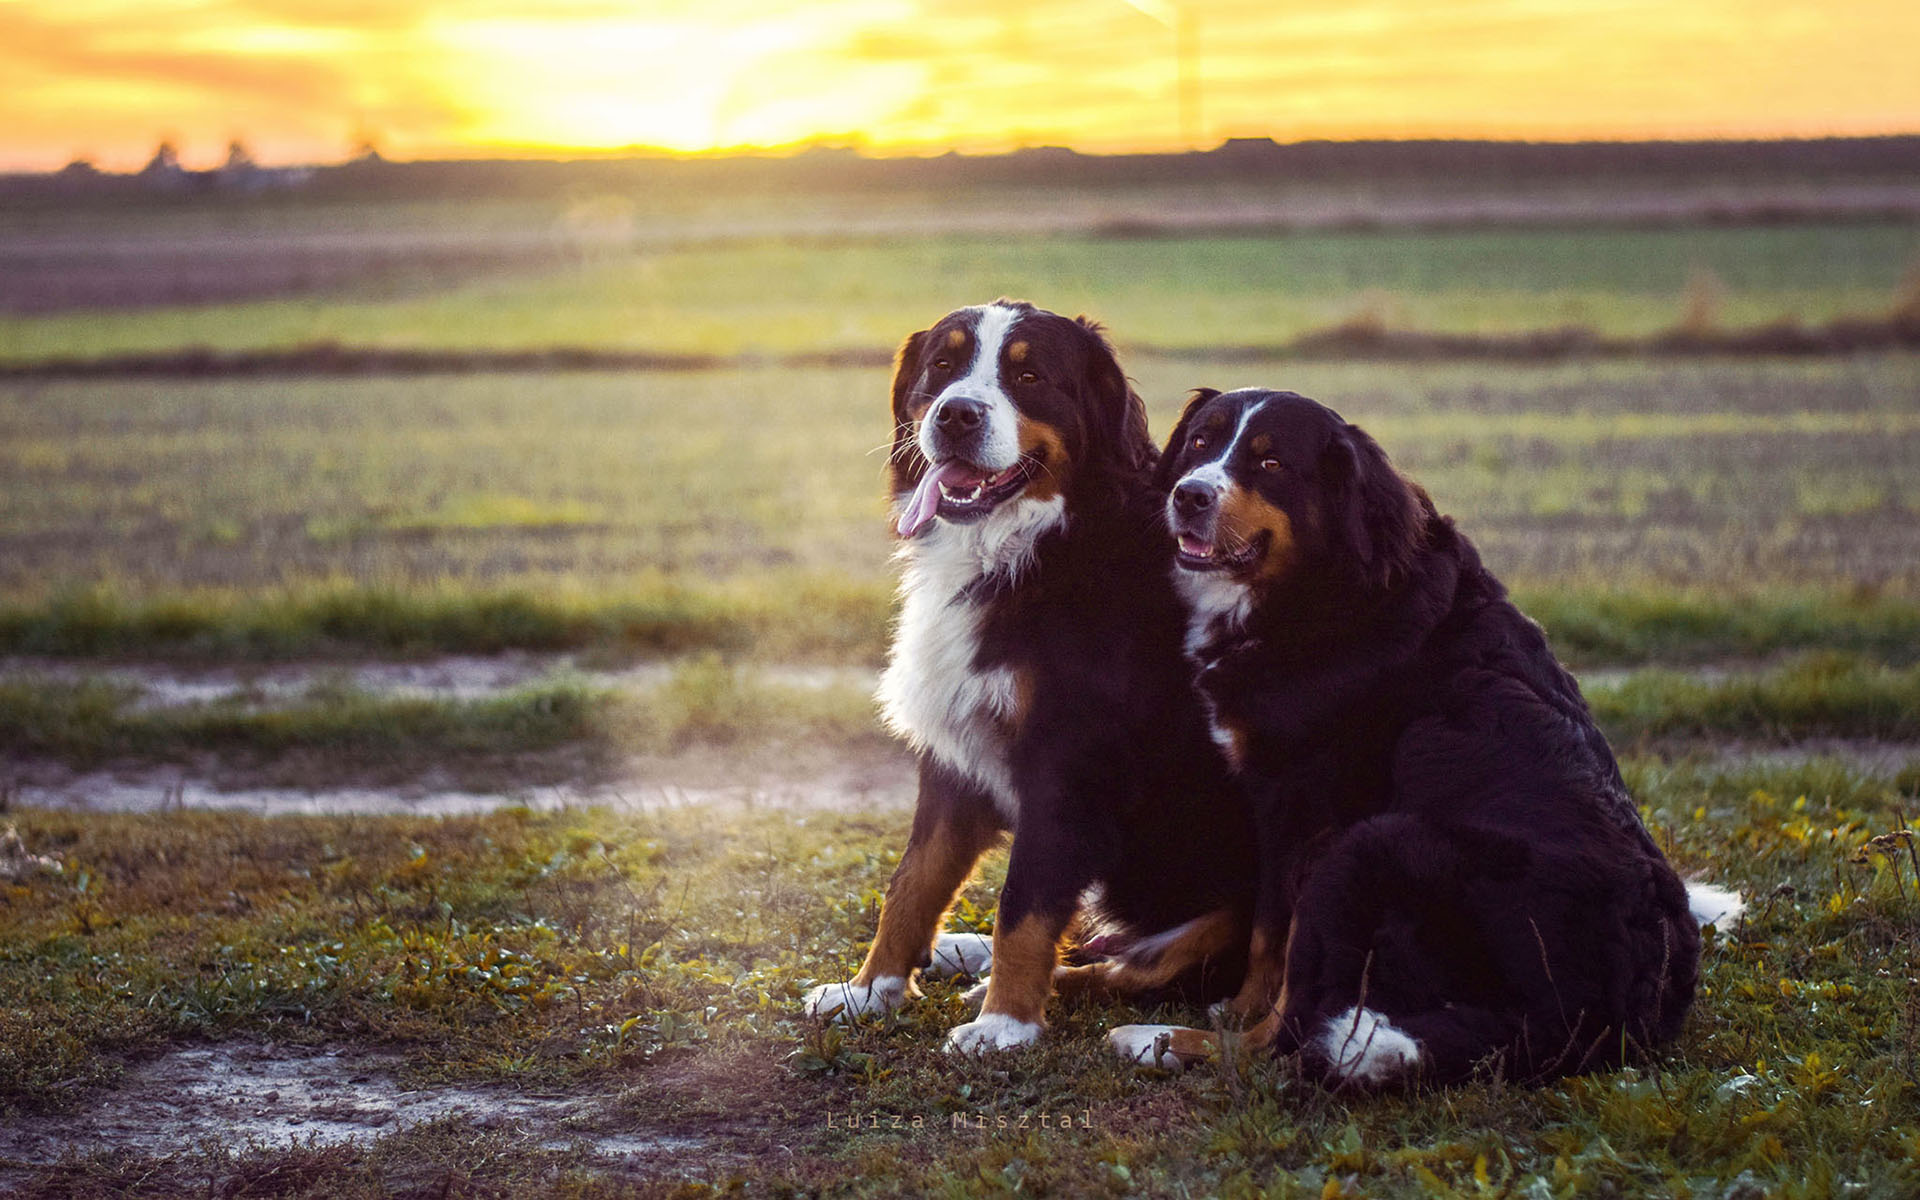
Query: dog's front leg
{"points": [[1045, 876], [953, 825]]}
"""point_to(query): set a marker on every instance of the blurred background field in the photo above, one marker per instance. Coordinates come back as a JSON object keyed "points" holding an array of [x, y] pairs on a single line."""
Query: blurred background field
{"points": [[1736, 473], [570, 668]]}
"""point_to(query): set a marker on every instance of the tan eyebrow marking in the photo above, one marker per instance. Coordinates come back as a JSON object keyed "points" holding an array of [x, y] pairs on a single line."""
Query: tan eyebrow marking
{"points": [[1017, 352], [956, 338], [1261, 443]]}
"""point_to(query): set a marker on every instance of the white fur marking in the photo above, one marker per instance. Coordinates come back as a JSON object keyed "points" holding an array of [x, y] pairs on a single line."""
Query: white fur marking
{"points": [[931, 693], [1212, 600], [1364, 1048], [992, 1031], [1213, 472], [960, 954], [1000, 448], [844, 1001], [1715, 906], [1146, 1045]]}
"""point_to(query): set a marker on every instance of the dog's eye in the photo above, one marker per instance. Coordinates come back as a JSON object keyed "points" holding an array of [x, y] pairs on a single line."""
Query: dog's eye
{"points": [[941, 364], [1028, 377], [1269, 464], [1199, 441]]}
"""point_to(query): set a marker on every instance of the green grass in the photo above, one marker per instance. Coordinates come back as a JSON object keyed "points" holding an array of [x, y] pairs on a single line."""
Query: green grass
{"points": [[1728, 475], [779, 616], [1820, 695], [1171, 292], [658, 959], [788, 617]]}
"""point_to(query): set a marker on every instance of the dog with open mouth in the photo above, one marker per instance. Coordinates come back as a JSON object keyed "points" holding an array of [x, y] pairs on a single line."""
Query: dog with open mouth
{"points": [[1037, 673], [1453, 877]]}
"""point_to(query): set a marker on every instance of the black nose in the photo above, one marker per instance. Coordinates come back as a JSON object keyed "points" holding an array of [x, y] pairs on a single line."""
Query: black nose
{"points": [[960, 414], [1191, 499]]}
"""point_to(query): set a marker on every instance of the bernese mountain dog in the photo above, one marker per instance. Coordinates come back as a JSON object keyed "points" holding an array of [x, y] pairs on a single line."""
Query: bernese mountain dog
{"points": [[1453, 877], [1037, 672]]}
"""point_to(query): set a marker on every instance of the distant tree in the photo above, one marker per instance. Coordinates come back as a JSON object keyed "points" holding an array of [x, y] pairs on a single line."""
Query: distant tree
{"points": [[239, 158], [165, 160]]}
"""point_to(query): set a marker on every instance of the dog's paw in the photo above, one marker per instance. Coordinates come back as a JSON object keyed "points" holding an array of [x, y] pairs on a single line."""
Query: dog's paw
{"points": [[960, 954], [977, 994], [1173, 1047], [844, 1001], [1362, 1048], [993, 1031]]}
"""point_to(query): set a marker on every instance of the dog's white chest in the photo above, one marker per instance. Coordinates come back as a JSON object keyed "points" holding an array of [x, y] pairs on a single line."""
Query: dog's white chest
{"points": [[933, 693], [934, 696]]}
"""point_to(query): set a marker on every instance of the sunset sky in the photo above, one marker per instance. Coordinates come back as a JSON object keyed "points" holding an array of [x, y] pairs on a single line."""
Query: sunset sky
{"points": [[303, 80]]}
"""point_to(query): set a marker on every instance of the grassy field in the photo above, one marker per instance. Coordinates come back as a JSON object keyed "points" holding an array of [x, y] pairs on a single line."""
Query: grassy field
{"points": [[1171, 292], [1701, 473], [652, 965], [1726, 548]]}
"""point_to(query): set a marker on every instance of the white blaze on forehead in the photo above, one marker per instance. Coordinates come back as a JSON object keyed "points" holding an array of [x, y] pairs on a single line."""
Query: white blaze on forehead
{"points": [[1000, 448], [1213, 472]]}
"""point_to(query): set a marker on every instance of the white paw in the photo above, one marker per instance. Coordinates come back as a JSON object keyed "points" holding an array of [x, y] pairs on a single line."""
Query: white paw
{"points": [[977, 994], [1715, 906], [1147, 1045], [1364, 1048], [993, 1031], [843, 1001], [960, 954]]}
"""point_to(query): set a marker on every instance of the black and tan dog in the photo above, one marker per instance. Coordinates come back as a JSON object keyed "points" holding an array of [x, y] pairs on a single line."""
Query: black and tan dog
{"points": [[1453, 876], [1037, 671]]}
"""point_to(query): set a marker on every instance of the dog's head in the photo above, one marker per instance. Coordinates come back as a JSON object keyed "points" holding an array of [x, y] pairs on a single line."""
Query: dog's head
{"points": [[1267, 486], [1004, 402]]}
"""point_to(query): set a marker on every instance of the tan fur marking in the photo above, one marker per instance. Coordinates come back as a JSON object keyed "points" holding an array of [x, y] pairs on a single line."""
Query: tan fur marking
{"points": [[923, 886], [1192, 1045], [1017, 352], [1043, 443], [1023, 961], [1266, 980], [1261, 443], [1211, 935], [1245, 515], [1236, 747], [956, 338]]}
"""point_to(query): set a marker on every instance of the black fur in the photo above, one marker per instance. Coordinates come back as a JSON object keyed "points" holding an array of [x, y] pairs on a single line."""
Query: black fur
{"points": [[1442, 826]]}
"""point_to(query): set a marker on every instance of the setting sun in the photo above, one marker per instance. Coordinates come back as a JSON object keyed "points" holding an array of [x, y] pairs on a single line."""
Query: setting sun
{"points": [[307, 79]]}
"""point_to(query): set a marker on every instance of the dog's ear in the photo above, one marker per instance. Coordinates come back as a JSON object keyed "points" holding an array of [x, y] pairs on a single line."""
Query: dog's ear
{"points": [[1119, 406], [1163, 476], [1378, 518], [906, 371]]}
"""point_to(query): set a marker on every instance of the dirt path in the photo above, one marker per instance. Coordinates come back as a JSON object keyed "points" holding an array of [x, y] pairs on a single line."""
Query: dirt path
{"points": [[248, 1096], [818, 778], [449, 677]]}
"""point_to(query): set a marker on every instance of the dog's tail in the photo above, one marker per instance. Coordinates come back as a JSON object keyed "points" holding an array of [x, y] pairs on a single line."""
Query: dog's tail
{"points": [[1715, 906]]}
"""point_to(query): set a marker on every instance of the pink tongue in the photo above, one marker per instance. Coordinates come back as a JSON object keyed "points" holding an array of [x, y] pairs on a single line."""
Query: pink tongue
{"points": [[926, 497]]}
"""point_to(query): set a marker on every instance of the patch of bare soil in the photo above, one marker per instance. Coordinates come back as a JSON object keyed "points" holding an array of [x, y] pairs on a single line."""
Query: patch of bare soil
{"points": [[257, 1096], [449, 677], [829, 778]]}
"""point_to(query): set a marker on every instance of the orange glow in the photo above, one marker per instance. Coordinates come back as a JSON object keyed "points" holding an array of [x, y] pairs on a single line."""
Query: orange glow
{"points": [[301, 80]]}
